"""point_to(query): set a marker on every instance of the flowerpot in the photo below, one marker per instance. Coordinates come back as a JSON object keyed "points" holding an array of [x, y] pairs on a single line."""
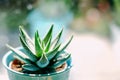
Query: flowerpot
{"points": [[14, 75]]}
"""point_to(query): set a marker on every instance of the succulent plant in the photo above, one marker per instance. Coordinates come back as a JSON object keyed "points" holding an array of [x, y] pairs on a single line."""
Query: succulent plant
{"points": [[41, 55]]}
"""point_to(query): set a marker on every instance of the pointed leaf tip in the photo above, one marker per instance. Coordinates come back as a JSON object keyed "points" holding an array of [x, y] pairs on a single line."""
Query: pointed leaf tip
{"points": [[65, 46], [56, 41], [38, 46], [48, 35]]}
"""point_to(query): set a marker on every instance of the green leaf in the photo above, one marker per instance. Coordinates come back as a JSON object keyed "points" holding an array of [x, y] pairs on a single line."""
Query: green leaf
{"points": [[30, 67], [25, 60], [65, 46], [43, 61], [20, 55], [38, 46], [48, 35], [52, 53], [37, 36], [26, 38], [48, 45], [61, 61], [56, 40], [28, 53], [43, 45]]}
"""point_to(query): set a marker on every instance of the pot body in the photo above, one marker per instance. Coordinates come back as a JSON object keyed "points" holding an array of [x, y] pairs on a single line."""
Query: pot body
{"points": [[14, 75]]}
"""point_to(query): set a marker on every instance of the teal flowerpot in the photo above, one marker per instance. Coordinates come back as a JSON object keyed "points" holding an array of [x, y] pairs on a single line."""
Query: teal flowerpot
{"points": [[14, 75]]}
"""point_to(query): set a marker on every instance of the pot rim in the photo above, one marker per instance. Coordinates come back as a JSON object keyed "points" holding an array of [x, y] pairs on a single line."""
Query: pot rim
{"points": [[25, 74]]}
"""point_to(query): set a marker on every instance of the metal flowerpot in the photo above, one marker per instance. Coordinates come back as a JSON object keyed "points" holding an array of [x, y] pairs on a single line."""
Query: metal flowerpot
{"points": [[14, 75]]}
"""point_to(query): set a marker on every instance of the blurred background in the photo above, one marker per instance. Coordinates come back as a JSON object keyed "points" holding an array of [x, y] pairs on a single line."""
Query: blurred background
{"points": [[95, 25]]}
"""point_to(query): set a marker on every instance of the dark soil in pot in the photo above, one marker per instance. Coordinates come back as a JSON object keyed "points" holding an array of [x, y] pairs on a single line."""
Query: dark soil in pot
{"points": [[17, 66]]}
